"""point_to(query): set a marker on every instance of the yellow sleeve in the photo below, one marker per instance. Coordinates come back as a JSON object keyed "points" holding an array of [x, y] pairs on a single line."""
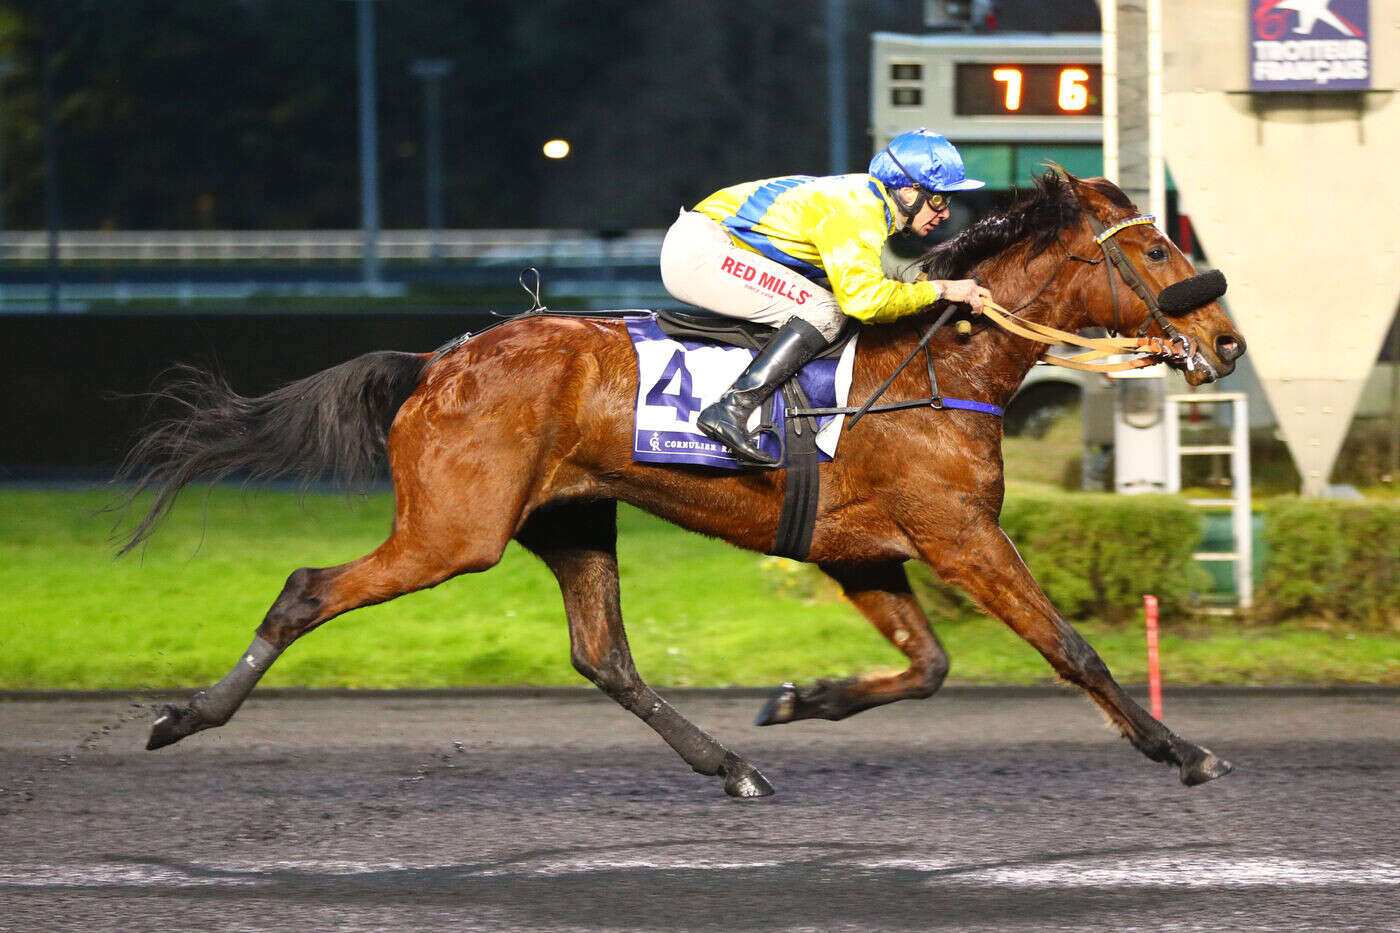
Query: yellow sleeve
{"points": [[850, 251]]}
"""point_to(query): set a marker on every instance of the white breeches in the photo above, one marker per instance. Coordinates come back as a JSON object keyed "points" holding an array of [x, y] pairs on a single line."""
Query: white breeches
{"points": [[700, 265]]}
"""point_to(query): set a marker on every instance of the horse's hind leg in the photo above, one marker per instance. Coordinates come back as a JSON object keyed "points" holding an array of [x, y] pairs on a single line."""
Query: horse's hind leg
{"points": [[578, 542], [988, 566], [431, 542], [881, 592]]}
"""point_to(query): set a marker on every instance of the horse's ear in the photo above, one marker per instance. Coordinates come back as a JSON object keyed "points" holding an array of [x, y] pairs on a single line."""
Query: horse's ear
{"points": [[1060, 170], [1055, 172]]}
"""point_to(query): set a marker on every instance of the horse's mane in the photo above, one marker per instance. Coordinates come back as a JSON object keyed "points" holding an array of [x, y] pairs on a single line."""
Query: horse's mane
{"points": [[1038, 215]]}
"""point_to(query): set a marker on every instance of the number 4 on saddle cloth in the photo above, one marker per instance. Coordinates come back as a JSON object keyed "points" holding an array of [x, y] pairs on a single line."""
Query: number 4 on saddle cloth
{"points": [[685, 361]]}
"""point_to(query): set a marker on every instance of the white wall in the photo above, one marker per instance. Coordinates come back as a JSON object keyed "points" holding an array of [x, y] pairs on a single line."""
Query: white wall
{"points": [[1297, 199]]}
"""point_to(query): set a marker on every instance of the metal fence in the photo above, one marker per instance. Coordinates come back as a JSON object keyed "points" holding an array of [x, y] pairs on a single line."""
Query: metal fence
{"points": [[555, 246]]}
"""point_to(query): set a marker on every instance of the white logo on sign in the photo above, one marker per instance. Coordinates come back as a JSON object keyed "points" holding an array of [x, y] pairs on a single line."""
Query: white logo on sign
{"points": [[655, 441], [1310, 11]]}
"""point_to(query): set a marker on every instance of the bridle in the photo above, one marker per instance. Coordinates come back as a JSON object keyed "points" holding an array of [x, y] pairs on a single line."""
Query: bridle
{"points": [[1113, 252], [1172, 346]]}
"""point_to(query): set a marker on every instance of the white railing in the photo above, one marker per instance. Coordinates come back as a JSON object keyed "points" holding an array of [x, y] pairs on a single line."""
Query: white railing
{"points": [[1241, 517], [555, 246]]}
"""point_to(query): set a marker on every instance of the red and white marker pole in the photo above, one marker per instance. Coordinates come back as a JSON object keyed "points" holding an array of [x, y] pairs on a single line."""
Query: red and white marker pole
{"points": [[1154, 667]]}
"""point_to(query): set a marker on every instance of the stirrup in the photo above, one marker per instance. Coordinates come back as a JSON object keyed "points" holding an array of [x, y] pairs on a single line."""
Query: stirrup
{"points": [[726, 421]]}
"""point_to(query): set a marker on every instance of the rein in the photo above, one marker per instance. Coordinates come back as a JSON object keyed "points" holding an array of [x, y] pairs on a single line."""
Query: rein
{"points": [[1153, 350], [934, 400]]}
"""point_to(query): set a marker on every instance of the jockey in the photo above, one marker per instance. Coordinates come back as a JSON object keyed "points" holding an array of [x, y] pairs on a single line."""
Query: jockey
{"points": [[803, 253]]}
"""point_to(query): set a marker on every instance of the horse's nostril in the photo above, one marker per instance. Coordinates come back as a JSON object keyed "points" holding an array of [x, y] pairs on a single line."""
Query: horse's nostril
{"points": [[1229, 347]]}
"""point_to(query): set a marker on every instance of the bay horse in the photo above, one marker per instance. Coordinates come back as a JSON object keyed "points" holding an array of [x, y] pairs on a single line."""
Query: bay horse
{"points": [[523, 432]]}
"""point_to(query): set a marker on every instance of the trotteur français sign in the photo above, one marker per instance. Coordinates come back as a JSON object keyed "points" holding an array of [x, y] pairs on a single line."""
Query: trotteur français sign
{"points": [[1309, 45]]}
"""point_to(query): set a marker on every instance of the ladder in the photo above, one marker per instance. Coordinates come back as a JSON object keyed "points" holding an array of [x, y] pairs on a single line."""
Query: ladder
{"points": [[1241, 521]]}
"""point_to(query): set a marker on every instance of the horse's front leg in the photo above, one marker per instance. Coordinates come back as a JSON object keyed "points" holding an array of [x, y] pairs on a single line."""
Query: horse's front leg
{"points": [[881, 592], [578, 542], [987, 565]]}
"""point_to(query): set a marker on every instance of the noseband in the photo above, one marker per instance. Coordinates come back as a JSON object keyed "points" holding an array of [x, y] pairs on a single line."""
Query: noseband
{"points": [[1202, 288]]}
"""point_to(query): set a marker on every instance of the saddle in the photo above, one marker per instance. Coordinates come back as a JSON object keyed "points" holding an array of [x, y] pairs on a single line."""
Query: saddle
{"points": [[799, 434], [697, 324]]}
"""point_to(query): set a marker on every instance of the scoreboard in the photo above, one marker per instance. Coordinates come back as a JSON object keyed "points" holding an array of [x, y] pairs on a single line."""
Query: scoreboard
{"points": [[1027, 89], [993, 88]]}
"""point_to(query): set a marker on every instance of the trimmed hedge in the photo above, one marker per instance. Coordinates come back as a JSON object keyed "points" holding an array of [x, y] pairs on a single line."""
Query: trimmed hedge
{"points": [[1335, 559], [1094, 554]]}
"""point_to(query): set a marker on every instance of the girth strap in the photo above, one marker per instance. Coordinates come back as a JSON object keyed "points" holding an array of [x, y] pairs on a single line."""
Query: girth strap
{"points": [[802, 478]]}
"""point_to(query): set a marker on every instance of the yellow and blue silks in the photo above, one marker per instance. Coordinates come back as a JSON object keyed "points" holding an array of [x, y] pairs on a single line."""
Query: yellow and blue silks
{"points": [[830, 229]]}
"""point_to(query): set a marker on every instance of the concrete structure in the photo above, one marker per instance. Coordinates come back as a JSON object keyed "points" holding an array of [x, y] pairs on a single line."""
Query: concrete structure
{"points": [[1294, 196]]}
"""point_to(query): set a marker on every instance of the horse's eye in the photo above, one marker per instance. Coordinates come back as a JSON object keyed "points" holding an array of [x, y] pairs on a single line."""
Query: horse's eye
{"points": [[1157, 254]]}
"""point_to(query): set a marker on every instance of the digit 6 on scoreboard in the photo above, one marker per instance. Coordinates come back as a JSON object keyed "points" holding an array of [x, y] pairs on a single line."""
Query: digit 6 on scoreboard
{"points": [[1074, 91]]}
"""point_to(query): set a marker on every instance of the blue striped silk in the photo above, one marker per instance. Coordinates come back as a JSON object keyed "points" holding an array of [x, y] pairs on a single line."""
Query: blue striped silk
{"points": [[750, 214], [889, 218]]}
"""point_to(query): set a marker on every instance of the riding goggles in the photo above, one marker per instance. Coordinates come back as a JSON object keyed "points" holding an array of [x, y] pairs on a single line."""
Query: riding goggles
{"points": [[936, 200]]}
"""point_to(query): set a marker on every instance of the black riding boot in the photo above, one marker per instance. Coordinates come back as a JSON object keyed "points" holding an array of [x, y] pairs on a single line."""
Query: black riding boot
{"points": [[727, 420]]}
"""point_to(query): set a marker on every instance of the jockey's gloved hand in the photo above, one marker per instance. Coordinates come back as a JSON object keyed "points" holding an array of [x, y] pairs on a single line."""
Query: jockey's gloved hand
{"points": [[966, 291]]}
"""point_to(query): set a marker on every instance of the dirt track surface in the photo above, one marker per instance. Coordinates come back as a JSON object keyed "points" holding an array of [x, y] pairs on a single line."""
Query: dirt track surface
{"points": [[972, 810]]}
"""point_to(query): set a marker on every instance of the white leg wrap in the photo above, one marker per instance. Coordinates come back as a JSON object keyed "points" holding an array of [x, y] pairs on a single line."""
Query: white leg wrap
{"points": [[216, 704]]}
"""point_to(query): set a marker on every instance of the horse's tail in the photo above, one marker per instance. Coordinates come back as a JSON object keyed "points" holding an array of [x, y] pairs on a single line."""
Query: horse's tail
{"points": [[334, 424]]}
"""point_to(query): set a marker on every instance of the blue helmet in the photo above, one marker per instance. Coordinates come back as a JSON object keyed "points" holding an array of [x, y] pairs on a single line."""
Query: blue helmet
{"points": [[922, 159]]}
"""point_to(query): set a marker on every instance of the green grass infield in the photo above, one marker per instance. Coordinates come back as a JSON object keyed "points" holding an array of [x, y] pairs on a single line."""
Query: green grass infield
{"points": [[699, 612]]}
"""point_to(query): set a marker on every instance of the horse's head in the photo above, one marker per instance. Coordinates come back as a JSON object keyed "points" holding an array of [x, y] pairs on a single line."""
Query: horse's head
{"points": [[1144, 284]]}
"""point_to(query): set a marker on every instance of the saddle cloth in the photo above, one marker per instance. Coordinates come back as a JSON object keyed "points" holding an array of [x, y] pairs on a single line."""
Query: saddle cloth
{"points": [[676, 378]]}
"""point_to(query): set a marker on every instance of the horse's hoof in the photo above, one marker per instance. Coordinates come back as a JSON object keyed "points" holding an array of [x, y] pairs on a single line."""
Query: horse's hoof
{"points": [[742, 779], [172, 725], [1207, 766], [780, 706]]}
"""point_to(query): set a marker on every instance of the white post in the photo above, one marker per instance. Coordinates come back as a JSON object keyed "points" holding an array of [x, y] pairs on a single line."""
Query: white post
{"points": [[1108, 13], [1156, 163], [1173, 416], [1241, 515]]}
